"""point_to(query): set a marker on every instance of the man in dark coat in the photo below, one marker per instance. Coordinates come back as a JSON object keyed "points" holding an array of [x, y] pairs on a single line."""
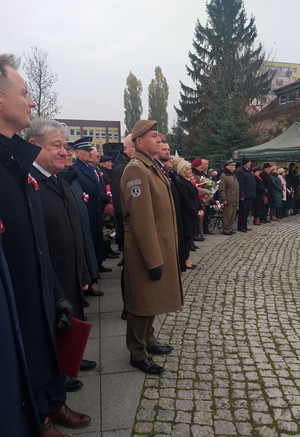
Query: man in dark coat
{"points": [[39, 298], [106, 165], [247, 193], [18, 411], [90, 184], [120, 163], [61, 216], [267, 181]]}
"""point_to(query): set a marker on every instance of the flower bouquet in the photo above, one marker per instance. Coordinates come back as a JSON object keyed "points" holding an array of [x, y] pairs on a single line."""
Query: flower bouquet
{"points": [[206, 187]]}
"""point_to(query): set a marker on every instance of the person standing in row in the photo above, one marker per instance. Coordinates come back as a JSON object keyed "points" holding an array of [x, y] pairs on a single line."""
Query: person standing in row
{"points": [[151, 268], [247, 193], [229, 194]]}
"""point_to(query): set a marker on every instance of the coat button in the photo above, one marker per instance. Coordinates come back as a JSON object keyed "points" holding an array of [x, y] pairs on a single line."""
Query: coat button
{"points": [[23, 405], [40, 251]]}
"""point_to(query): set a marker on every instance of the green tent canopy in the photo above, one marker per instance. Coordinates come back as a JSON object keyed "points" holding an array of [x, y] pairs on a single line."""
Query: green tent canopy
{"points": [[285, 147]]}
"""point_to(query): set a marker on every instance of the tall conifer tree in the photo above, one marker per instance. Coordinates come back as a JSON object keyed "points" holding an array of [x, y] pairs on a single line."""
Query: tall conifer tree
{"points": [[225, 53]]}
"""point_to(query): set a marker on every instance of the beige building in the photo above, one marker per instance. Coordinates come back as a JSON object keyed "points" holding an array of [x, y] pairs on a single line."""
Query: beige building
{"points": [[101, 131], [284, 74]]}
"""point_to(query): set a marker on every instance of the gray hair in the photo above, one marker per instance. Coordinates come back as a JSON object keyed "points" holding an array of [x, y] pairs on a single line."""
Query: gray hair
{"points": [[182, 166], [7, 60], [40, 127]]}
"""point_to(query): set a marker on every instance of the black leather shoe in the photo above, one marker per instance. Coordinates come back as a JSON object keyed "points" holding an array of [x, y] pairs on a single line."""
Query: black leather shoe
{"points": [[72, 384], [248, 229], [87, 365], [208, 232], [242, 230], [227, 233], [193, 266], [93, 292], [103, 269], [121, 263], [124, 315], [159, 349], [148, 366]]}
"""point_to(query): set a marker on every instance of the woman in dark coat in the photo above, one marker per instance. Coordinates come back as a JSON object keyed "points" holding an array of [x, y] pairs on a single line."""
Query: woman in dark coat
{"points": [[258, 201], [190, 206], [276, 204]]}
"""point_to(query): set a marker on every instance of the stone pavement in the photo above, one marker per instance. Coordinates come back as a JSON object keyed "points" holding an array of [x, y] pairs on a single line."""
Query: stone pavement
{"points": [[235, 368]]}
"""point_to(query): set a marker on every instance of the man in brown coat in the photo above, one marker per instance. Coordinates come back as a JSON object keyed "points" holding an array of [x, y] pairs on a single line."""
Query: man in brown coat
{"points": [[229, 194], [151, 270]]}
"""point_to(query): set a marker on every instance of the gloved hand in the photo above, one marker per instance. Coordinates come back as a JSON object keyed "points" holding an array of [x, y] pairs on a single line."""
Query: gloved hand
{"points": [[64, 312], [155, 274]]}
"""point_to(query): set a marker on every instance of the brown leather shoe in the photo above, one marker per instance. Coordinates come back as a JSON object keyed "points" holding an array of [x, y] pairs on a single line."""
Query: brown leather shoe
{"points": [[49, 430], [69, 418]]}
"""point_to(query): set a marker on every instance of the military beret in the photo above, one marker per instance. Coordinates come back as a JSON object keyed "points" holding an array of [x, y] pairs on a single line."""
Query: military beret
{"points": [[84, 143], [105, 158], [142, 127], [230, 163], [196, 162]]}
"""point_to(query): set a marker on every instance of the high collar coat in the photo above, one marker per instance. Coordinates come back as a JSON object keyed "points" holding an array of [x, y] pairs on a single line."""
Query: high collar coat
{"points": [[35, 285], [150, 239]]}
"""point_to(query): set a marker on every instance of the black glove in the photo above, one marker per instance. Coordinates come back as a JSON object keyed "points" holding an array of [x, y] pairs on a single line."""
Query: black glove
{"points": [[155, 274], [64, 312]]}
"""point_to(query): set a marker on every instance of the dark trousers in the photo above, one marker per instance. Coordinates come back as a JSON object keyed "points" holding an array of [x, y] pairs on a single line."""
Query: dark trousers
{"points": [[50, 398], [139, 335], [244, 211]]}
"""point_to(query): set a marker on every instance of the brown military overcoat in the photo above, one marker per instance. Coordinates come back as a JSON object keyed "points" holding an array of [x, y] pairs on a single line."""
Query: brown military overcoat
{"points": [[150, 239]]}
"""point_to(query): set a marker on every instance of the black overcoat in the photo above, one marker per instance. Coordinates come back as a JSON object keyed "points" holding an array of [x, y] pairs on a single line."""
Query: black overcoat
{"points": [[71, 177], [91, 186], [117, 171], [267, 180], [190, 205], [18, 412], [25, 246], [258, 203], [64, 236]]}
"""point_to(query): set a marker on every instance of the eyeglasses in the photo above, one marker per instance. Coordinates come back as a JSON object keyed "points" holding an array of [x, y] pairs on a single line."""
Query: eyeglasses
{"points": [[69, 149]]}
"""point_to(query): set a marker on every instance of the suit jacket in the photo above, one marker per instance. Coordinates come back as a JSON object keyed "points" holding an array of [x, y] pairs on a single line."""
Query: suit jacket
{"points": [[35, 285], [64, 236], [91, 186]]}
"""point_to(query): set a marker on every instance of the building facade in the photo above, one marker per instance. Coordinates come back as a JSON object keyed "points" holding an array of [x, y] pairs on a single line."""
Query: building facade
{"points": [[101, 131], [284, 74]]}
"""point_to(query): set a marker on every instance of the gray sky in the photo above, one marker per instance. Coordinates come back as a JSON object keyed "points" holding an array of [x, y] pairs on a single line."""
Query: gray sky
{"points": [[93, 44]]}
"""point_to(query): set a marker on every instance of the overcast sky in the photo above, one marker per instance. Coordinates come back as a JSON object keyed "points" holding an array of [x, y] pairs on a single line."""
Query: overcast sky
{"points": [[94, 44]]}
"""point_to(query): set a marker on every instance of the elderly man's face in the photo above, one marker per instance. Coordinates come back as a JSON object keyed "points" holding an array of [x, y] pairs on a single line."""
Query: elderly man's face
{"points": [[231, 168], [94, 158], [84, 155], [107, 164], [15, 104], [247, 165], [129, 148], [53, 154], [149, 143], [164, 152], [204, 164]]}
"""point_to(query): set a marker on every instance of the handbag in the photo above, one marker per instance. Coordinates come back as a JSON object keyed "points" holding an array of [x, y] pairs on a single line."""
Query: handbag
{"points": [[265, 199]]}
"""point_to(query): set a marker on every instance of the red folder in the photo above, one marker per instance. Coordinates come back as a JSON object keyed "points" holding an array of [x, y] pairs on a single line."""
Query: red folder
{"points": [[71, 346]]}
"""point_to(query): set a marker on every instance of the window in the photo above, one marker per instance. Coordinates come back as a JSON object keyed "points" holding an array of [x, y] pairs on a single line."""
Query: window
{"points": [[97, 134], [116, 135], [84, 132], [110, 134], [91, 132], [103, 134], [294, 70], [71, 132], [282, 99], [78, 133]]}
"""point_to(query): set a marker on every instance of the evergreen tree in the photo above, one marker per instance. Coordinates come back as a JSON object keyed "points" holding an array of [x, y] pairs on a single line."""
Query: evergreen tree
{"points": [[40, 83], [132, 102], [158, 93], [225, 52]]}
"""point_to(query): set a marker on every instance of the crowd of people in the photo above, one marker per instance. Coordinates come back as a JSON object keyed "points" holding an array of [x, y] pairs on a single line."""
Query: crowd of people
{"points": [[61, 208]]}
